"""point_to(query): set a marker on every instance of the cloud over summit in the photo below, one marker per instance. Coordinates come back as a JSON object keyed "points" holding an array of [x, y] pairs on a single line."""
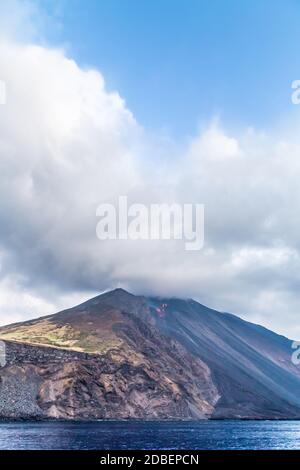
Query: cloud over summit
{"points": [[68, 144]]}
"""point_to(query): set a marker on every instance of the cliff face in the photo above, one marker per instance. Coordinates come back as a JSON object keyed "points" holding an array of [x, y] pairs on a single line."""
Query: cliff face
{"points": [[119, 356], [148, 382]]}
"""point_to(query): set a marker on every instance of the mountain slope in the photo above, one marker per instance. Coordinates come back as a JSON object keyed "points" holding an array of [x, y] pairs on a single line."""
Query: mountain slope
{"points": [[126, 356]]}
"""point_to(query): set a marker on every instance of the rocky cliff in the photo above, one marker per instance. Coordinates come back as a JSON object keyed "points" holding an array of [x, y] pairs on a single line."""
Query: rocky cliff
{"points": [[120, 356]]}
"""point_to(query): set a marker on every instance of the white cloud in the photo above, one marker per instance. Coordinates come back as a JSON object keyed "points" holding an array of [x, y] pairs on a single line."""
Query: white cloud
{"points": [[67, 144], [21, 20], [213, 145], [18, 302]]}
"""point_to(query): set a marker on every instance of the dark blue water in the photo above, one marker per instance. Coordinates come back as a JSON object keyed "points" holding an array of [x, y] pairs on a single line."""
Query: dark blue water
{"points": [[163, 435]]}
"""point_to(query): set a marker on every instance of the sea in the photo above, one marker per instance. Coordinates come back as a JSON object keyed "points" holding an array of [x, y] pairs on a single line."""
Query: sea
{"points": [[180, 435]]}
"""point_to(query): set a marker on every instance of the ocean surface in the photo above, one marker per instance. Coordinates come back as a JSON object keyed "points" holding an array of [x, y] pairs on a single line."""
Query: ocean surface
{"points": [[144, 435]]}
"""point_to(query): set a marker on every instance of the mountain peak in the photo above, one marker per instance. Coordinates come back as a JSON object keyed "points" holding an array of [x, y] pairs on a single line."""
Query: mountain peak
{"points": [[117, 295], [118, 291]]}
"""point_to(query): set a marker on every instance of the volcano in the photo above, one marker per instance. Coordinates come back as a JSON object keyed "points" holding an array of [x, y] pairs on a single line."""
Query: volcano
{"points": [[122, 356]]}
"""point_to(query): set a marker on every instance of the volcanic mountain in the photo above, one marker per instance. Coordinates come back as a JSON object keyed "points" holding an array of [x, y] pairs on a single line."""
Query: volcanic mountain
{"points": [[121, 356]]}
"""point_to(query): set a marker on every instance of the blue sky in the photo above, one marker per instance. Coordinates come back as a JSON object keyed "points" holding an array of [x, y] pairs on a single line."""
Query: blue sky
{"points": [[177, 63]]}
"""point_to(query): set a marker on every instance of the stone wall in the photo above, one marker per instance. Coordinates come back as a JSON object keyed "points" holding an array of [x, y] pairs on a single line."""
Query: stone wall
{"points": [[22, 353]]}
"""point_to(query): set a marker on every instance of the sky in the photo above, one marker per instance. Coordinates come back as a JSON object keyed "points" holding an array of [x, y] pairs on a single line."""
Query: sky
{"points": [[185, 101], [178, 63]]}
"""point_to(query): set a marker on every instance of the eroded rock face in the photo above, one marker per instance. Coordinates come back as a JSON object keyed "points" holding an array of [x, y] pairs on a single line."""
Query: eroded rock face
{"points": [[119, 356], [19, 386], [117, 385]]}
